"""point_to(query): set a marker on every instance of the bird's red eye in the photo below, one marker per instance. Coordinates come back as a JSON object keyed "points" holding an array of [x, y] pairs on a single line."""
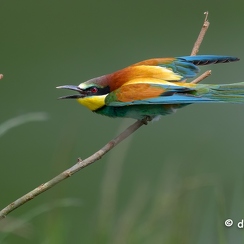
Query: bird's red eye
{"points": [[93, 90]]}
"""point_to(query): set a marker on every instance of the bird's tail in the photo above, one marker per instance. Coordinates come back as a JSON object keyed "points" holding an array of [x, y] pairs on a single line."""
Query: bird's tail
{"points": [[226, 93]]}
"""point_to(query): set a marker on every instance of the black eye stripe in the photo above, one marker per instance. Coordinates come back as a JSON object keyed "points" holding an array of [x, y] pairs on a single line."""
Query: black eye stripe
{"points": [[93, 90]]}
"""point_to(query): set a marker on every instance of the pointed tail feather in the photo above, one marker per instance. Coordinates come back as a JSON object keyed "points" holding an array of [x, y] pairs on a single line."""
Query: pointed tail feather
{"points": [[226, 93]]}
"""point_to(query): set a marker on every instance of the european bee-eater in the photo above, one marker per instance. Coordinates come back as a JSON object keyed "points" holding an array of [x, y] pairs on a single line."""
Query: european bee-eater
{"points": [[154, 87]]}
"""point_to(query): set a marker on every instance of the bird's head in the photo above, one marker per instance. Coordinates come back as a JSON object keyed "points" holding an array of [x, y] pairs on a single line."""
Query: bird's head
{"points": [[89, 94]]}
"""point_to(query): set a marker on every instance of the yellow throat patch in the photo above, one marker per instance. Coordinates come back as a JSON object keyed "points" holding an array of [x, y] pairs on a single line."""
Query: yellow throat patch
{"points": [[93, 102]]}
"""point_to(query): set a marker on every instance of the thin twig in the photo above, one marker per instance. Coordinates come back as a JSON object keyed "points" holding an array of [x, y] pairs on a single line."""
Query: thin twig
{"points": [[69, 172], [197, 45], [202, 77], [201, 35], [96, 156]]}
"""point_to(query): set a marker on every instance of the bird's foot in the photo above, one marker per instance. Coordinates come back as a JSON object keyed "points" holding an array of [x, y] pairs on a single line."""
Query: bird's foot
{"points": [[146, 120]]}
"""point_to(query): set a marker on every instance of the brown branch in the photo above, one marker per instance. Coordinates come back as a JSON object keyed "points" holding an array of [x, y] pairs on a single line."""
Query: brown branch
{"points": [[202, 77], [69, 172], [96, 156], [201, 35], [197, 45]]}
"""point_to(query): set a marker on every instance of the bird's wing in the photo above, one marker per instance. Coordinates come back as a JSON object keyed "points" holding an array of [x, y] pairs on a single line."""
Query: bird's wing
{"points": [[166, 69], [186, 66], [153, 91]]}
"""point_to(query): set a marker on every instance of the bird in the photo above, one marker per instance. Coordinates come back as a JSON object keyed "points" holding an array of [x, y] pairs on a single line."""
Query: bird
{"points": [[154, 87]]}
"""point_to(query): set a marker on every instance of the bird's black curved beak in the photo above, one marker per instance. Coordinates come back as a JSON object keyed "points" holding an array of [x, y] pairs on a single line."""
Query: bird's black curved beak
{"points": [[73, 88]]}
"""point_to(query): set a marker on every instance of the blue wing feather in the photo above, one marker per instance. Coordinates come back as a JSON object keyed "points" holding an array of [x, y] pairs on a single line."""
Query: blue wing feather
{"points": [[173, 99], [208, 59], [186, 66]]}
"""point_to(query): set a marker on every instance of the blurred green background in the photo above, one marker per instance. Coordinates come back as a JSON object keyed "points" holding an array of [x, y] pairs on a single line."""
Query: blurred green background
{"points": [[174, 181]]}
